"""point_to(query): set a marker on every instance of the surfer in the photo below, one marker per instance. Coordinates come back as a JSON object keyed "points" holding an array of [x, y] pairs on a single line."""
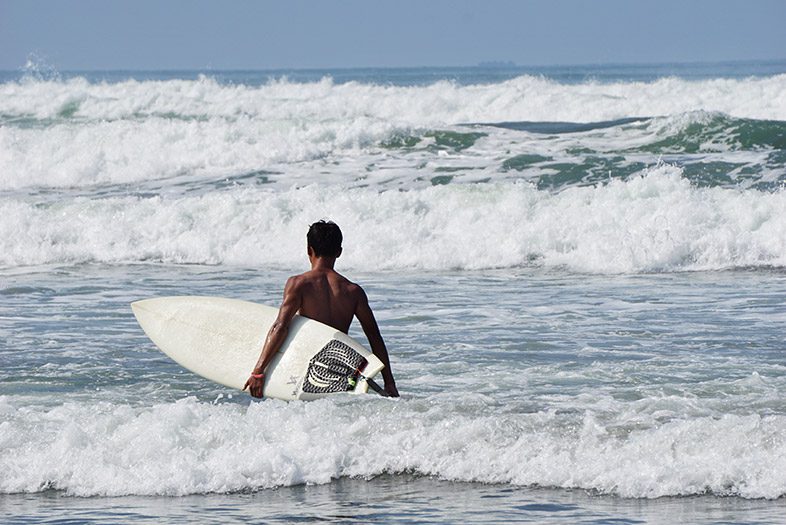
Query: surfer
{"points": [[326, 296]]}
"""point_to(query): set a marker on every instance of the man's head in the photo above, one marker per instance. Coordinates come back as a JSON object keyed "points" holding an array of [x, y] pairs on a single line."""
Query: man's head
{"points": [[324, 239]]}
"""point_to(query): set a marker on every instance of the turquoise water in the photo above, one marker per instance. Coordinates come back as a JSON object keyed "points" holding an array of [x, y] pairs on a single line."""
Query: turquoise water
{"points": [[578, 272]]}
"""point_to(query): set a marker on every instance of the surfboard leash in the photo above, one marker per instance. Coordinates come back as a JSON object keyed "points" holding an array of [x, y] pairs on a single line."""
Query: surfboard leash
{"points": [[370, 382], [375, 387]]}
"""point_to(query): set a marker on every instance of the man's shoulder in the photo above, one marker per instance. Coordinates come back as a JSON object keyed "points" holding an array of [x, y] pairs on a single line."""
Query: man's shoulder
{"points": [[297, 282], [347, 286], [296, 279], [355, 290], [350, 286]]}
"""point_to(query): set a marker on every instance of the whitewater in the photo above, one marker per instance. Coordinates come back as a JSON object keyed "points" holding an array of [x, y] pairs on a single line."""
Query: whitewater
{"points": [[579, 274]]}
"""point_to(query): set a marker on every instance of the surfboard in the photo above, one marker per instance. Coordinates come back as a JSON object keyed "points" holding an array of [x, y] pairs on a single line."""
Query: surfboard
{"points": [[221, 339]]}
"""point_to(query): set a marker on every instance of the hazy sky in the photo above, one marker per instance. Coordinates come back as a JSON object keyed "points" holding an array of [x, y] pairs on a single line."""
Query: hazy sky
{"points": [[199, 34]]}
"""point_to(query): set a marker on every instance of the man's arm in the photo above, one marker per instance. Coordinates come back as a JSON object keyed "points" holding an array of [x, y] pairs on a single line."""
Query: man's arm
{"points": [[275, 337], [369, 323]]}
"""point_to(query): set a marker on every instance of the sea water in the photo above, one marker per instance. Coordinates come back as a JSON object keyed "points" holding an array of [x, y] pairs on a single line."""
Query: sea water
{"points": [[579, 273]]}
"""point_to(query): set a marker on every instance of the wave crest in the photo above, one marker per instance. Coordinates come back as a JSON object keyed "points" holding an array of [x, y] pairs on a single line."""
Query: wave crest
{"points": [[188, 447], [657, 221]]}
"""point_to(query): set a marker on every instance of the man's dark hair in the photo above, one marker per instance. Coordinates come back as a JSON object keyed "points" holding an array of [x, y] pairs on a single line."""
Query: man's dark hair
{"points": [[325, 238]]}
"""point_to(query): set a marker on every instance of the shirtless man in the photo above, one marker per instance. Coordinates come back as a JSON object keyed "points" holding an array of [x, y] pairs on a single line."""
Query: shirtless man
{"points": [[326, 296]]}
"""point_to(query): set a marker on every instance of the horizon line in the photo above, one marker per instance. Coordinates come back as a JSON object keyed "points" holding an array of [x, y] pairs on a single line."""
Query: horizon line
{"points": [[491, 65]]}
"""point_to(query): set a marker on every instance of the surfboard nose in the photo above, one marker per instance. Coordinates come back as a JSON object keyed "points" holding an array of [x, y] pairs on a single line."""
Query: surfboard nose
{"points": [[153, 314], [143, 309], [159, 306], [143, 304], [138, 305]]}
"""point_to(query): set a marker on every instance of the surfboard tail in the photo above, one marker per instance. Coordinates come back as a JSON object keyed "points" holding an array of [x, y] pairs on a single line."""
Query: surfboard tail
{"points": [[340, 368]]}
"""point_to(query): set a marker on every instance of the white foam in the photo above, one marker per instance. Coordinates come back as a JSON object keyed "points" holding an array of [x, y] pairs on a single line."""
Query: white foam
{"points": [[654, 222], [83, 133], [524, 98], [93, 448]]}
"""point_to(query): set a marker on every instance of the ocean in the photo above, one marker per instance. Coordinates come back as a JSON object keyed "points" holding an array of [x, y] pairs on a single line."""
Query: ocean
{"points": [[580, 274]]}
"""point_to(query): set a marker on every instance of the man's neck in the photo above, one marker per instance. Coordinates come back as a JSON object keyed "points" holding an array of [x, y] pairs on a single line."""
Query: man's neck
{"points": [[323, 263]]}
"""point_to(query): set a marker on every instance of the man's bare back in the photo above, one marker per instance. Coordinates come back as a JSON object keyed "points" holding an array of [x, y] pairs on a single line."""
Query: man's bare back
{"points": [[326, 296]]}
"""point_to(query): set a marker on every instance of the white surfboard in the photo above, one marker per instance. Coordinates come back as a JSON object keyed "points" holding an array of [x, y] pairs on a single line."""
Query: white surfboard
{"points": [[221, 339]]}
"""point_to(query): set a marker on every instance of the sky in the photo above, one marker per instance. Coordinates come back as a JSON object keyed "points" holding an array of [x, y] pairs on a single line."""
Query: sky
{"points": [[297, 34]]}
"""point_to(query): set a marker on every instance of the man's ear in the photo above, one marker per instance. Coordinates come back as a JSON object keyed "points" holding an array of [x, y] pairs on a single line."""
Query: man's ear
{"points": [[339, 252], [309, 250]]}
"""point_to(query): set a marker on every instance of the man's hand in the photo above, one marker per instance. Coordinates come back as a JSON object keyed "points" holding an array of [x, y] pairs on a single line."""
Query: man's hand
{"points": [[255, 385]]}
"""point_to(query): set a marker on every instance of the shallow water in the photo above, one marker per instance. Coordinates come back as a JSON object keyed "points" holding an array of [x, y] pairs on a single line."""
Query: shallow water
{"points": [[388, 499], [638, 386]]}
